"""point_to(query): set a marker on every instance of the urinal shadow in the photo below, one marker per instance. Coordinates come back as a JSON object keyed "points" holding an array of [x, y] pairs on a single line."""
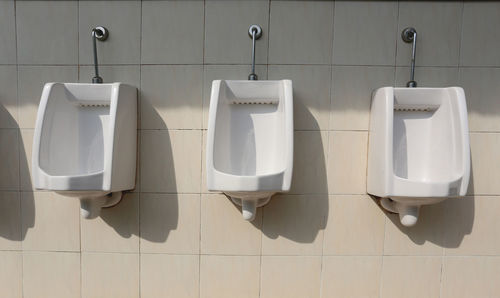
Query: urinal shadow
{"points": [[302, 213], [156, 205], [444, 224], [17, 199]]}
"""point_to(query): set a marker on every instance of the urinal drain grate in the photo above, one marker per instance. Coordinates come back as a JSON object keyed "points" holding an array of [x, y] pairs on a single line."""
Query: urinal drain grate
{"points": [[261, 101], [412, 109], [94, 105]]}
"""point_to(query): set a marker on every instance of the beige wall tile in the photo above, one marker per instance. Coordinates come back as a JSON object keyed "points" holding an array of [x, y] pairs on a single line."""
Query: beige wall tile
{"points": [[47, 32], [171, 161], [465, 277], [480, 39], [8, 92], [31, 81], [171, 96], [229, 276], [223, 229], [225, 72], [347, 159], [294, 224], [9, 150], [355, 226], [410, 277], [481, 90], [110, 275], [170, 223], [7, 33], [115, 230], [10, 221], [353, 277], [51, 275], [425, 238], [56, 218], [438, 30], [306, 42], [472, 226], [169, 276], [11, 274], [363, 32], [172, 32], [311, 93], [290, 277], [226, 23], [122, 19], [352, 88], [309, 170], [485, 166], [438, 77], [327, 237]]}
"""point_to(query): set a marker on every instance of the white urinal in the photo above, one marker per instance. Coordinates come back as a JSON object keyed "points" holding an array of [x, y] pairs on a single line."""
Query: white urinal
{"points": [[250, 141], [418, 149], [85, 142]]}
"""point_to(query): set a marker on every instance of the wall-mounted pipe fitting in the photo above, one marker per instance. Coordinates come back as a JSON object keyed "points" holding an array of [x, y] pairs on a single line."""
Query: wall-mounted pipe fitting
{"points": [[409, 35], [255, 32], [98, 33]]}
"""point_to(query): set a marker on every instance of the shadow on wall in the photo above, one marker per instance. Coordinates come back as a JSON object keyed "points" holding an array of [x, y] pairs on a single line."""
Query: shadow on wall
{"points": [[298, 216], [301, 214], [17, 201], [157, 209], [444, 224]]}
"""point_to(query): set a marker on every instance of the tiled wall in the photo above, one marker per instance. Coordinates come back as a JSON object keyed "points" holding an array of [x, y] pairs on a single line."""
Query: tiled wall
{"points": [[327, 238]]}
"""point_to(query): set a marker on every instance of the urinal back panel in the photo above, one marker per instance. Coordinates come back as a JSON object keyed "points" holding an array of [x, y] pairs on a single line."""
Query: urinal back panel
{"points": [[75, 133], [250, 132], [424, 144], [250, 138], [86, 138], [418, 142]]}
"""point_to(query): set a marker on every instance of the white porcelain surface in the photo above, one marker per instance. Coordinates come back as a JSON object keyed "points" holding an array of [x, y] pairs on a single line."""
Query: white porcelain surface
{"points": [[419, 148], [250, 141], [85, 142]]}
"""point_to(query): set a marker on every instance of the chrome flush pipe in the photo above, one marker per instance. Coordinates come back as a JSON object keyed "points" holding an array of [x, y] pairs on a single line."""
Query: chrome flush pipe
{"points": [[255, 32], [98, 33], [410, 35]]}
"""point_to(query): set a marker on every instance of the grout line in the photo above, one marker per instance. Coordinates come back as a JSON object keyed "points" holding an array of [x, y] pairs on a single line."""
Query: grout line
{"points": [[459, 79], [460, 40], [441, 276], [257, 64], [138, 150], [268, 41], [19, 149], [251, 255], [396, 45], [78, 80], [261, 248], [78, 42], [213, 193], [296, 130], [386, 216], [202, 144]]}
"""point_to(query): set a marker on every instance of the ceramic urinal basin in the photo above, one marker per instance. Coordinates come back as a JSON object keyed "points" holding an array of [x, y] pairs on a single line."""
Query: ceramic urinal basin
{"points": [[418, 149], [85, 142], [250, 141]]}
